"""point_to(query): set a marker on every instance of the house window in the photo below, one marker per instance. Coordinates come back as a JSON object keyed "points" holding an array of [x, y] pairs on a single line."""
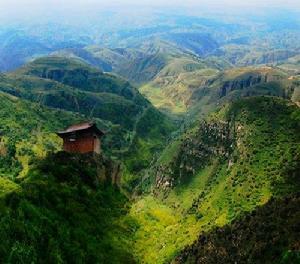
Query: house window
{"points": [[72, 137]]}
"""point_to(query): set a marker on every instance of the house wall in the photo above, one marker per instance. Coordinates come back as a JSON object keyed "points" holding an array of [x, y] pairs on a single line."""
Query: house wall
{"points": [[79, 145]]}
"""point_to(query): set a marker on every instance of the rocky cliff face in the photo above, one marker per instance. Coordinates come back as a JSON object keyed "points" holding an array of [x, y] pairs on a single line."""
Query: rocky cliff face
{"points": [[247, 81], [93, 169], [267, 57], [211, 139]]}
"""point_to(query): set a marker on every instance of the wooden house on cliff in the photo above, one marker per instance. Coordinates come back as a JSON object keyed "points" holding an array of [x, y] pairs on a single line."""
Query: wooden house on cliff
{"points": [[82, 138]]}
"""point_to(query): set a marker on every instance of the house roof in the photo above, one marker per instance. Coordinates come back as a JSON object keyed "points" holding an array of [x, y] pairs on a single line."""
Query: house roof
{"points": [[81, 127]]}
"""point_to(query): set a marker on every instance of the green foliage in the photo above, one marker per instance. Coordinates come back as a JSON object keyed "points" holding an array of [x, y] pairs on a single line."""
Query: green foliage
{"points": [[150, 140], [77, 74], [60, 215], [28, 131], [264, 163], [118, 108], [7, 186], [268, 235]]}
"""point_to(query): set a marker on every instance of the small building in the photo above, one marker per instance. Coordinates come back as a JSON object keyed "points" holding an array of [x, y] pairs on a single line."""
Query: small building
{"points": [[82, 138]]}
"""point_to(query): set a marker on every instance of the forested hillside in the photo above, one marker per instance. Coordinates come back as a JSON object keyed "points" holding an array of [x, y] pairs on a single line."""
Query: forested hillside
{"points": [[134, 126], [28, 131], [199, 158], [224, 167], [63, 212], [269, 234]]}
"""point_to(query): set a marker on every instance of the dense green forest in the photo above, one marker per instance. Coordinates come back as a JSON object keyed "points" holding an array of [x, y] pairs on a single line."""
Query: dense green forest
{"points": [[59, 214]]}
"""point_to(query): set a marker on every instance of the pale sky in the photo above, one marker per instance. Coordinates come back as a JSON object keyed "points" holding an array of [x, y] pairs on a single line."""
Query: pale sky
{"points": [[21, 4]]}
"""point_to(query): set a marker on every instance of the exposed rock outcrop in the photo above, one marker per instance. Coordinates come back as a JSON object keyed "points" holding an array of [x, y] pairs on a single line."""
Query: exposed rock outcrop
{"points": [[244, 82], [212, 139]]}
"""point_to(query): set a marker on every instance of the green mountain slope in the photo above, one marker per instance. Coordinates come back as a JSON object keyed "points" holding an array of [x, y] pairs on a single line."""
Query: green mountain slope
{"points": [[138, 64], [242, 55], [167, 73], [187, 84], [202, 119], [107, 106], [55, 207], [173, 87], [175, 79], [217, 171], [237, 83], [64, 213], [270, 234], [27, 131], [72, 85], [77, 74], [224, 167]]}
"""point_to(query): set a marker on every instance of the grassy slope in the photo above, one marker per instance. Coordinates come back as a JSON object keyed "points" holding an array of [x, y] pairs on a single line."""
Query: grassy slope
{"points": [[107, 106], [80, 75], [187, 84], [173, 86], [270, 234], [28, 130], [237, 83], [258, 169], [164, 70], [214, 196]]}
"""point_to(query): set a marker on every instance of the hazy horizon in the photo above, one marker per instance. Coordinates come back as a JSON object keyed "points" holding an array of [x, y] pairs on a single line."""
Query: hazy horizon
{"points": [[19, 8]]}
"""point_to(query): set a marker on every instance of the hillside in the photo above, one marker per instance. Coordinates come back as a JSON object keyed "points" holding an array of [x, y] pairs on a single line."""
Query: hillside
{"points": [[174, 85], [50, 201], [75, 73], [174, 78], [216, 172], [292, 65], [121, 110], [198, 87], [197, 43], [269, 234], [20, 45], [64, 212], [249, 55], [233, 84], [210, 176], [28, 131], [139, 64]]}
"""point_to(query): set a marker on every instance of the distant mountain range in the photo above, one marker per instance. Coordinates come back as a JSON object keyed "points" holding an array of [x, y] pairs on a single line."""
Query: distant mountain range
{"points": [[240, 42]]}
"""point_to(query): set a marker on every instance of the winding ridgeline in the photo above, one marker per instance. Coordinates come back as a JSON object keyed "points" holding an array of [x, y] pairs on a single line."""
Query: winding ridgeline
{"points": [[220, 187]]}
